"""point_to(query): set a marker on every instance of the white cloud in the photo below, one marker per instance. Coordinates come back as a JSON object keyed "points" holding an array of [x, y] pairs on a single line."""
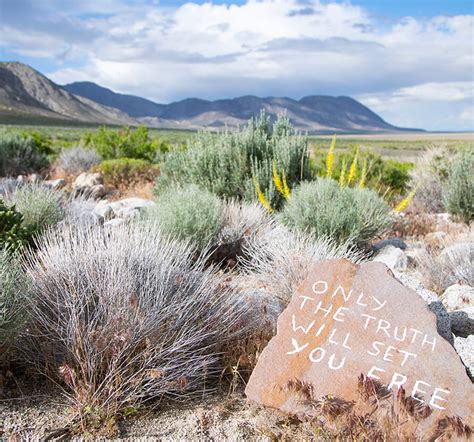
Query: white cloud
{"points": [[265, 47]]}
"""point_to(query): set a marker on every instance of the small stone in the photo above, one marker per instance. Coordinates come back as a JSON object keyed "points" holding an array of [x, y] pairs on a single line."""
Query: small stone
{"points": [[125, 208], [465, 349], [458, 296], [462, 322], [104, 210], [55, 184], [90, 184], [393, 257]]}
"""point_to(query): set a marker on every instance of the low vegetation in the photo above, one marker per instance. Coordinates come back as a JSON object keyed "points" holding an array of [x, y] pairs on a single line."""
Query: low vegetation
{"points": [[78, 159]]}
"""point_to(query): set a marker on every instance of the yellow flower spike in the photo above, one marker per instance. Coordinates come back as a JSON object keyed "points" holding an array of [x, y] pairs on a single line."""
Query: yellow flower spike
{"points": [[330, 157], [342, 176], [402, 205], [277, 180], [353, 168], [363, 176], [286, 189], [261, 196]]}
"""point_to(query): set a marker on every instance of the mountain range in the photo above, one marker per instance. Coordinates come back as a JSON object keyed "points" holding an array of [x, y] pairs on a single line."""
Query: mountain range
{"points": [[25, 92]]}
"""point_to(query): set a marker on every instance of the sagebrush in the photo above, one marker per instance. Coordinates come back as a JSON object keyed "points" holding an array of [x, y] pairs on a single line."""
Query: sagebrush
{"points": [[78, 159]]}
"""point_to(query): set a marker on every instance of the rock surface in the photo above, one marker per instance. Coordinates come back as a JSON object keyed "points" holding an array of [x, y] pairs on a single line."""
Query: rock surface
{"points": [[465, 349], [394, 241], [393, 257], [458, 296], [346, 320], [91, 184], [462, 322]]}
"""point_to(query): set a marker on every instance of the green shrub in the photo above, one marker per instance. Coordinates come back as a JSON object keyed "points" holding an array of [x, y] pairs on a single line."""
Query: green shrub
{"points": [[41, 142], [40, 207], [458, 192], [226, 163], [125, 172], [125, 143], [381, 175], [322, 209], [20, 155], [11, 291], [13, 234], [188, 213]]}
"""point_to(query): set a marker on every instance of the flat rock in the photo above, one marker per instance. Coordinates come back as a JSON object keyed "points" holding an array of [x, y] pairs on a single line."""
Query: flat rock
{"points": [[393, 257], [346, 320], [128, 207]]}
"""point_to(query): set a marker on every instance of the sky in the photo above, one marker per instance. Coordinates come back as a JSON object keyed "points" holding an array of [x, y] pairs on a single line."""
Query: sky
{"points": [[410, 61]]}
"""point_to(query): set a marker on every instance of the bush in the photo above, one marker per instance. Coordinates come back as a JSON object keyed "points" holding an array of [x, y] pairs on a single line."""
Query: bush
{"points": [[126, 172], [126, 316], [323, 209], [188, 213], [13, 234], [11, 288], [227, 163], [40, 207], [125, 143], [20, 155], [77, 160], [453, 265], [458, 193]]}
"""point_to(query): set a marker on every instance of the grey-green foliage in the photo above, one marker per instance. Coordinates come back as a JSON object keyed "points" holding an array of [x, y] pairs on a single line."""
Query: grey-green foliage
{"points": [[78, 159], [458, 192], [188, 213], [322, 209], [226, 163], [11, 290], [40, 206], [19, 154]]}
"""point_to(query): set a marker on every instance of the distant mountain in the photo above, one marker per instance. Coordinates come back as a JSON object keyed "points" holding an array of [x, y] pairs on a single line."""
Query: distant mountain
{"points": [[314, 113], [25, 93]]}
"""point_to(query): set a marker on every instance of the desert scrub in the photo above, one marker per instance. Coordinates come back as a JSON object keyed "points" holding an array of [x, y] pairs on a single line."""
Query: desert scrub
{"points": [[323, 209], [125, 143], [19, 155], [458, 192], [11, 306], [229, 163], [124, 173], [453, 265], [188, 213], [127, 316], [78, 159], [40, 207], [13, 234], [278, 260]]}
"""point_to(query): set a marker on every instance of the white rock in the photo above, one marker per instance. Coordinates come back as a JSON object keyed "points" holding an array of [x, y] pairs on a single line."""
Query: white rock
{"points": [[465, 349], [90, 183], [125, 208], [394, 258], [55, 184], [104, 210], [114, 222], [458, 296]]}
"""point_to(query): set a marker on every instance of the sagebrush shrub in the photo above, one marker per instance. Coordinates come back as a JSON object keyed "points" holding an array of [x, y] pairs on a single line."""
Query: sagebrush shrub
{"points": [[40, 206], [188, 213], [228, 163], [323, 209], [78, 159], [123, 173], [125, 316], [458, 192], [19, 155], [12, 313]]}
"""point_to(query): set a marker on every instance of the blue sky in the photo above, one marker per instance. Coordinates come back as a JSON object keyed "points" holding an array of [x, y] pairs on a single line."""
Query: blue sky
{"points": [[410, 61]]}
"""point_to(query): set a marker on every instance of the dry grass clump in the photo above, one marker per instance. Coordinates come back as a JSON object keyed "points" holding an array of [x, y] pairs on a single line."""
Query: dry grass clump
{"points": [[279, 260], [412, 225], [78, 159], [374, 416], [124, 317], [452, 265]]}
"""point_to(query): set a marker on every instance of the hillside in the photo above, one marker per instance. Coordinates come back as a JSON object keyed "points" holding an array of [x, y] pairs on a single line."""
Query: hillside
{"points": [[26, 93], [316, 113]]}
